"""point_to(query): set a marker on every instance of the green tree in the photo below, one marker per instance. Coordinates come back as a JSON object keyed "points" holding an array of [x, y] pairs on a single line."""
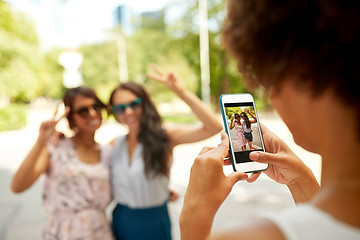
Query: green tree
{"points": [[23, 68], [224, 77]]}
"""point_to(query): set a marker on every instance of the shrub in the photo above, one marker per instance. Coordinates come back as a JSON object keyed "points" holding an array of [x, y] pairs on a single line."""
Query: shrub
{"points": [[13, 117]]}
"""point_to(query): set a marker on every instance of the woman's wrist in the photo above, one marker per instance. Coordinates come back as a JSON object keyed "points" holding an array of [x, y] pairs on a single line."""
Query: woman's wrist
{"points": [[41, 141], [181, 92], [196, 221], [303, 188]]}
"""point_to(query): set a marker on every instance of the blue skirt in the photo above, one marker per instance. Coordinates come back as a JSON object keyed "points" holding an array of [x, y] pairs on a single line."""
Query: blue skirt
{"points": [[145, 223]]}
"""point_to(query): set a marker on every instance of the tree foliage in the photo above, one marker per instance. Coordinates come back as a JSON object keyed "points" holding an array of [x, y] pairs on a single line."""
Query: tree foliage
{"points": [[27, 72], [23, 67]]}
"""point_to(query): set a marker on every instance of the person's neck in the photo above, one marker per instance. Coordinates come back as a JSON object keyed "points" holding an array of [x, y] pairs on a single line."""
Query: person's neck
{"points": [[132, 137], [85, 139], [340, 182], [341, 163]]}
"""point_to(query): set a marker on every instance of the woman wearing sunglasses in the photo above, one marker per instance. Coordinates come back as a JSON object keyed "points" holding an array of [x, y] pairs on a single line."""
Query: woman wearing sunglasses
{"points": [[77, 177], [246, 124], [142, 157]]}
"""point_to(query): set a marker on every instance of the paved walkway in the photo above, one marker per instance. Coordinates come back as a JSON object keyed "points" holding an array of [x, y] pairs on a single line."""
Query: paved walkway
{"points": [[22, 215]]}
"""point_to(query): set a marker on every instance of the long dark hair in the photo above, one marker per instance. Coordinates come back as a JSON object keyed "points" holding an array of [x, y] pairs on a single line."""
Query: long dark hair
{"points": [[236, 115], [74, 92], [152, 135], [247, 121]]}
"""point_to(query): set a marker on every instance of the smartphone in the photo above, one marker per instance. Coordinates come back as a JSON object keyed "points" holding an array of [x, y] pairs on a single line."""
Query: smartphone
{"points": [[241, 123]]}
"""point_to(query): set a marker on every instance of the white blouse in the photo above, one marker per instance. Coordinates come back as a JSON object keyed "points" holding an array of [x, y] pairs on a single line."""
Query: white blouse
{"points": [[308, 222], [131, 187]]}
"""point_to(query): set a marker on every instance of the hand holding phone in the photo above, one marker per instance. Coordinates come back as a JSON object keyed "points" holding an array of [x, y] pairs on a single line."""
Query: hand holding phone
{"points": [[241, 123]]}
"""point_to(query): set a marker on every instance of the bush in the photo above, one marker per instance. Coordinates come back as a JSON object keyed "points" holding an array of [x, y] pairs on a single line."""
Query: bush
{"points": [[13, 117]]}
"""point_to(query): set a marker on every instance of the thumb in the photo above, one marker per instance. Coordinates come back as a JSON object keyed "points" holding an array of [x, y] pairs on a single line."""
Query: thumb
{"points": [[235, 177], [264, 157]]}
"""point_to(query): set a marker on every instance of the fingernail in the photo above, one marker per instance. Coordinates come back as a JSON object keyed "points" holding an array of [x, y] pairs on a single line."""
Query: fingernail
{"points": [[254, 155]]}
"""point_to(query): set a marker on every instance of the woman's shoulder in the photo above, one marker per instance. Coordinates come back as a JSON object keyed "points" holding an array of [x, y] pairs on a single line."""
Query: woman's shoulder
{"points": [[319, 224], [117, 142]]}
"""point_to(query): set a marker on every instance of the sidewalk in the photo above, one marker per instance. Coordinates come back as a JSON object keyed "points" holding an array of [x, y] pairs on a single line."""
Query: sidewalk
{"points": [[22, 215]]}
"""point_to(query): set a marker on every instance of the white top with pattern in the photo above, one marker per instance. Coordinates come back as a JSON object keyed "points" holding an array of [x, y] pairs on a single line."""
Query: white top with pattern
{"points": [[76, 194]]}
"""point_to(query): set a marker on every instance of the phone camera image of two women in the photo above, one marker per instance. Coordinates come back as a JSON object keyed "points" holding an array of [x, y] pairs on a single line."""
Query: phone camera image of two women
{"points": [[243, 129]]}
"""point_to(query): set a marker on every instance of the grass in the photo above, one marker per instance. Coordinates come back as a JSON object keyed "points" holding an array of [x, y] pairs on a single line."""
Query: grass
{"points": [[13, 117]]}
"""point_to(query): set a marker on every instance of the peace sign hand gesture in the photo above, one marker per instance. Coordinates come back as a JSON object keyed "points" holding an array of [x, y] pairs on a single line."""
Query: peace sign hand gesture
{"points": [[168, 79], [47, 128]]}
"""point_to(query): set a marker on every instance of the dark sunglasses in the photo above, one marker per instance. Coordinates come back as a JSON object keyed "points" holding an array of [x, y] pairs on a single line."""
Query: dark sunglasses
{"points": [[84, 111], [120, 108]]}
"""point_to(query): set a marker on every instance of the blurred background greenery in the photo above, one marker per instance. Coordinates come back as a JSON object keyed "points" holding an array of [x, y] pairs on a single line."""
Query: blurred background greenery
{"points": [[28, 72]]}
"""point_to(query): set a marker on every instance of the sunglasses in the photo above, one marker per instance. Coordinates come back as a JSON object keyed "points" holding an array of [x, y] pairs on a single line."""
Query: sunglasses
{"points": [[84, 111], [120, 108]]}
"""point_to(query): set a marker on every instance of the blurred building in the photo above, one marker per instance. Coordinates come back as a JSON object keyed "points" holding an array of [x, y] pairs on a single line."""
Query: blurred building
{"points": [[154, 20], [129, 20], [124, 17]]}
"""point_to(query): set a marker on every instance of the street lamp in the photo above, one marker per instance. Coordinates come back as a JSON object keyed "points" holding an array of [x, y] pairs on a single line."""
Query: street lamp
{"points": [[204, 52], [121, 53]]}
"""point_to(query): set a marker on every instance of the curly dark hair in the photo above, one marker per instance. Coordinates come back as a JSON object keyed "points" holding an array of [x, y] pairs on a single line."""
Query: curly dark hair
{"points": [[152, 135], [312, 42]]}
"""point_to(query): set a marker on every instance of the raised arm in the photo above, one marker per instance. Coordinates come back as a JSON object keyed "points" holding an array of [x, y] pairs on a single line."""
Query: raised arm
{"points": [[254, 120], [210, 122], [232, 123], [37, 160]]}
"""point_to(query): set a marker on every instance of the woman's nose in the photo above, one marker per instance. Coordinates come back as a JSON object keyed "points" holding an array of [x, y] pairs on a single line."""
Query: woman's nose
{"points": [[92, 112]]}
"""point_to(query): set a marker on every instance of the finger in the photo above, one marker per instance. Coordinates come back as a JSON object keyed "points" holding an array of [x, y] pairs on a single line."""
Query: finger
{"points": [[65, 114], [253, 177], [205, 149], [227, 161], [222, 150], [157, 69], [235, 177], [56, 109], [264, 157], [155, 77]]}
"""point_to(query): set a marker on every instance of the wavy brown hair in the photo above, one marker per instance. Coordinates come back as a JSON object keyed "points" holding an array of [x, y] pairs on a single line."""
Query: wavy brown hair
{"points": [[152, 135]]}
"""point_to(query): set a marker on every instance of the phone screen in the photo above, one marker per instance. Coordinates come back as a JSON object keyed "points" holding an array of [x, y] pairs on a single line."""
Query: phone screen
{"points": [[243, 129]]}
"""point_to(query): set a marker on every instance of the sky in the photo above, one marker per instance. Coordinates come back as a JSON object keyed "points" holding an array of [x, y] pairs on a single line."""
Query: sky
{"points": [[69, 23]]}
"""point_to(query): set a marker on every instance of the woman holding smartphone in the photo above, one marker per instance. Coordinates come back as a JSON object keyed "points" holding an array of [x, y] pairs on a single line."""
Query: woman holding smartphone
{"points": [[77, 176], [142, 158], [302, 53]]}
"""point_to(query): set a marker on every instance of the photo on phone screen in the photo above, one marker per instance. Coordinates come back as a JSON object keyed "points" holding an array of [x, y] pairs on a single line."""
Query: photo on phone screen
{"points": [[241, 123], [243, 130]]}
